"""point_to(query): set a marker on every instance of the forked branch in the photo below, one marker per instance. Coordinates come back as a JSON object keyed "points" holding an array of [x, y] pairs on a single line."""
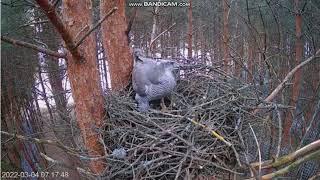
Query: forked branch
{"points": [[49, 10]]}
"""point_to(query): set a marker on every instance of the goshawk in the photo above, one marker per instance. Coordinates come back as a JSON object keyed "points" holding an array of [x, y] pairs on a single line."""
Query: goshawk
{"points": [[151, 79]]}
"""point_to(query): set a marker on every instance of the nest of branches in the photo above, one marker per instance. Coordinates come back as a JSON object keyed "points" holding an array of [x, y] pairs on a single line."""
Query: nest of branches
{"points": [[199, 134]]}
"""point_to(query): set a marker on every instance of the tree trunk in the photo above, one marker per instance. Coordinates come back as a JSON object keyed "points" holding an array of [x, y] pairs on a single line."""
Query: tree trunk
{"points": [[226, 35], [238, 63], [10, 121], [190, 28], [297, 77], [250, 62], [44, 94], [116, 44], [84, 79], [153, 31], [55, 79]]}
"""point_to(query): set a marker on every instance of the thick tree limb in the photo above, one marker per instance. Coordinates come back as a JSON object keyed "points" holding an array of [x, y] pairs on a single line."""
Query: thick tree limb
{"points": [[310, 148], [95, 27], [279, 88], [51, 13], [32, 46], [314, 155]]}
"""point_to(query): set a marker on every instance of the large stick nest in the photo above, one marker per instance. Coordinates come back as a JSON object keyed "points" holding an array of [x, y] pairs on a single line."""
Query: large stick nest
{"points": [[180, 141]]}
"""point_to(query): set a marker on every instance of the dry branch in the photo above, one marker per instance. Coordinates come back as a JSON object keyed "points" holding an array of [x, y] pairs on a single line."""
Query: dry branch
{"points": [[308, 149], [95, 27], [159, 35], [32, 46], [314, 155], [279, 88]]}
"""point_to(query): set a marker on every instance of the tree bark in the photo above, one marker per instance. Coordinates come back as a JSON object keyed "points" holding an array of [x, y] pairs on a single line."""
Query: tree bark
{"points": [[226, 59], [44, 94], [116, 43], [84, 79], [55, 79], [153, 31], [250, 62], [190, 28], [297, 76]]}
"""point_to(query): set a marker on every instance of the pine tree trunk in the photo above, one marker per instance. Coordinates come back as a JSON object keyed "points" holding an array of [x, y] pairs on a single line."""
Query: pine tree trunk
{"points": [[250, 62], [297, 77], [226, 35], [299, 54], [238, 63], [116, 44], [190, 28], [153, 31], [55, 79], [84, 79], [44, 95], [10, 121]]}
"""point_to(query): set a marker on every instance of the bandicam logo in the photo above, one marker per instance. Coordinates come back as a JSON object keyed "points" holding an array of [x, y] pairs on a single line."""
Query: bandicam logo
{"points": [[158, 4]]}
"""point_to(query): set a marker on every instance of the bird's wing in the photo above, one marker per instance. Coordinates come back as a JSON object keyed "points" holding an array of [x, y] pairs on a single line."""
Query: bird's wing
{"points": [[139, 80], [154, 73], [147, 73]]}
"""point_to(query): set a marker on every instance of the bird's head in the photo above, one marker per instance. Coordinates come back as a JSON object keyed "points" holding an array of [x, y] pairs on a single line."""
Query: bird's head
{"points": [[137, 52]]}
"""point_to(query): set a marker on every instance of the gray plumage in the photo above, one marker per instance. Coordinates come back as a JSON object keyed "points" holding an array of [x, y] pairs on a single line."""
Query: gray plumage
{"points": [[151, 79]]}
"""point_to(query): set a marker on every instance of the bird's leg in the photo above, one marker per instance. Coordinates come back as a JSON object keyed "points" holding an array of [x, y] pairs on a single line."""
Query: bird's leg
{"points": [[163, 105], [143, 103], [143, 107]]}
